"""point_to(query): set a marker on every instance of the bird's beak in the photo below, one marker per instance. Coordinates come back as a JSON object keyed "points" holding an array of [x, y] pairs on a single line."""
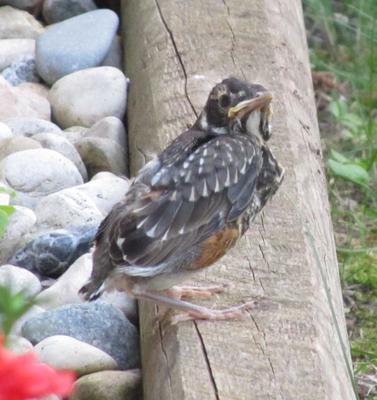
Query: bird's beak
{"points": [[247, 106]]}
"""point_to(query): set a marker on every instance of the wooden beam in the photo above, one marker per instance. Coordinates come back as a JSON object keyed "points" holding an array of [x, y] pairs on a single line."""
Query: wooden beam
{"points": [[291, 346]]}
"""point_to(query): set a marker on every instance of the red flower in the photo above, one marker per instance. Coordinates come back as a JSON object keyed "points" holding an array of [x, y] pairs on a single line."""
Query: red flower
{"points": [[24, 378]]}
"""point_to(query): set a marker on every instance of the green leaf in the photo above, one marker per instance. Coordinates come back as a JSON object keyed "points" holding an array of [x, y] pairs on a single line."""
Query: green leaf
{"points": [[349, 171], [339, 157], [5, 213]]}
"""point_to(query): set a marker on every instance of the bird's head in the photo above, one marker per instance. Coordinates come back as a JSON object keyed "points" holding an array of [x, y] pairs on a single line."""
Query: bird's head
{"points": [[237, 104]]}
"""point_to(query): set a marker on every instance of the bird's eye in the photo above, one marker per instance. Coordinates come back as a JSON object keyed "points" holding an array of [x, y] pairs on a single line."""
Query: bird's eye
{"points": [[224, 101]]}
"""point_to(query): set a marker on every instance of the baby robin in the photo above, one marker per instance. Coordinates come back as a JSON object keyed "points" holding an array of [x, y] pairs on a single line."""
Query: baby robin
{"points": [[188, 207]]}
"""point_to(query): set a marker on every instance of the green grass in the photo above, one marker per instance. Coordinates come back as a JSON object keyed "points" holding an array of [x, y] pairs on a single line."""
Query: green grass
{"points": [[342, 37]]}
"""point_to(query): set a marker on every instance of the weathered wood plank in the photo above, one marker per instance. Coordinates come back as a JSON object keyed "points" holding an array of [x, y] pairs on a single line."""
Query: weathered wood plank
{"points": [[289, 348]]}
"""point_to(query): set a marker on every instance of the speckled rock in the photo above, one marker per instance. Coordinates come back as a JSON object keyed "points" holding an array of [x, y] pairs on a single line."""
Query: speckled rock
{"points": [[21, 71], [72, 205], [21, 223], [19, 279], [5, 131], [31, 313], [98, 324], [109, 385], [50, 254], [31, 126], [102, 155], [17, 102], [12, 50], [18, 24], [65, 289], [65, 352], [63, 146], [17, 143], [59, 10], [109, 128], [105, 192], [68, 46], [35, 173], [84, 97]]}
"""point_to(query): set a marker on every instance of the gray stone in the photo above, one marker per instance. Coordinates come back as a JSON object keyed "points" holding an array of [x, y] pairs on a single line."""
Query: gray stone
{"points": [[18, 345], [66, 289], [31, 313], [18, 24], [21, 71], [59, 10], [84, 97], [102, 155], [18, 279], [17, 231], [121, 300], [16, 143], [5, 131], [114, 57], [68, 46], [105, 192], [63, 146], [65, 352], [74, 133], [31, 126], [50, 254], [98, 324], [26, 173], [11, 50], [109, 128], [21, 4], [109, 385], [72, 205], [16, 102]]}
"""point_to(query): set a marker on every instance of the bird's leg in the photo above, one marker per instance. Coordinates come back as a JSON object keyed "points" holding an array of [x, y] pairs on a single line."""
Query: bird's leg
{"points": [[190, 292], [193, 311]]}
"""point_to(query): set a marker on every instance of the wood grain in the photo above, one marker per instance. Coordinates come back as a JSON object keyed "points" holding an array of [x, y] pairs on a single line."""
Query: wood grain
{"points": [[288, 348]]}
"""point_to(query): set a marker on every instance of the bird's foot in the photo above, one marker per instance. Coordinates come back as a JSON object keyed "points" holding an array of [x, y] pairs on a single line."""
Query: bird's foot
{"points": [[232, 313], [190, 292]]}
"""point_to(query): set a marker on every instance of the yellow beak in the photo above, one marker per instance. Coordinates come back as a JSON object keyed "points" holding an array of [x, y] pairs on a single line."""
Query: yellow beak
{"points": [[247, 106]]}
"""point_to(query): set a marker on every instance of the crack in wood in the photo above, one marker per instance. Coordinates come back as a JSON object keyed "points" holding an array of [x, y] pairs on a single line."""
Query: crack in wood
{"points": [[170, 33], [208, 363]]}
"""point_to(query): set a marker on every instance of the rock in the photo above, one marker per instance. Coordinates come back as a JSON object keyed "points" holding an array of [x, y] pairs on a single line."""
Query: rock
{"points": [[115, 54], [22, 103], [74, 133], [63, 146], [37, 88], [21, 4], [68, 46], [109, 385], [5, 131], [11, 50], [105, 192], [20, 224], [50, 254], [16, 143], [59, 10], [18, 24], [123, 302], [102, 155], [35, 173], [65, 352], [109, 128], [84, 97], [72, 205], [19, 279], [21, 71], [98, 324], [18, 345], [65, 290], [31, 313], [31, 126]]}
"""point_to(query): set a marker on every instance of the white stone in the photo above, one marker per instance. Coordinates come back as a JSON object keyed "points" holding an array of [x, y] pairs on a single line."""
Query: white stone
{"points": [[19, 279], [18, 24], [5, 131], [125, 303], [36, 173], [84, 97], [12, 50], [75, 133], [65, 352], [63, 146], [16, 143], [18, 344], [74, 207], [31, 126], [65, 289], [105, 192], [110, 128]]}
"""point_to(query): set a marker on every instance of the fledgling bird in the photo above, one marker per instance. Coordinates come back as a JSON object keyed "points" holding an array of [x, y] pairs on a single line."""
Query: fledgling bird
{"points": [[188, 207]]}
